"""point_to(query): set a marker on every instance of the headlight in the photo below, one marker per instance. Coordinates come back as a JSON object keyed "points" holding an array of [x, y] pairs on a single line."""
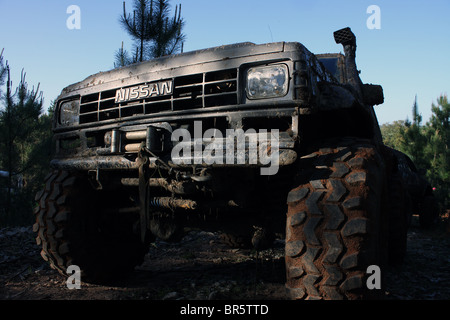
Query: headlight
{"points": [[68, 112], [267, 82]]}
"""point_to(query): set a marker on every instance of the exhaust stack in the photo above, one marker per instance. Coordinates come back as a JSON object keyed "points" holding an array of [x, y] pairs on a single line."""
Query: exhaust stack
{"points": [[369, 93], [348, 40]]}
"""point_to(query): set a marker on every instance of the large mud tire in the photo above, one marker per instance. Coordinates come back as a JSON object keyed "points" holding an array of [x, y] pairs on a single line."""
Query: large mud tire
{"points": [[77, 225], [335, 228]]}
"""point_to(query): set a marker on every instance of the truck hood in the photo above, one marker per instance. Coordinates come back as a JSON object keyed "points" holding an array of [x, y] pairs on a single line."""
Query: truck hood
{"points": [[139, 72]]}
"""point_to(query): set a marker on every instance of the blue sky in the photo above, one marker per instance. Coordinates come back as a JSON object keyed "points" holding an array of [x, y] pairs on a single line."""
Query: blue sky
{"points": [[408, 55]]}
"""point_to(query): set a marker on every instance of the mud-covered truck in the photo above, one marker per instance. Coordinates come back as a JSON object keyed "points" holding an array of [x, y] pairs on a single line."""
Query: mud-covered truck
{"points": [[248, 140]]}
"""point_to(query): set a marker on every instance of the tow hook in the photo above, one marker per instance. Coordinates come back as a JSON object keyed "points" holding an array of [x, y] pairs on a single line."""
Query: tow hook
{"points": [[94, 179]]}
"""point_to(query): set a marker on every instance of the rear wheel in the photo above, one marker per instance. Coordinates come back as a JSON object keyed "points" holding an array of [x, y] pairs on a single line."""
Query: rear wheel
{"points": [[399, 210], [334, 228], [77, 225], [429, 212]]}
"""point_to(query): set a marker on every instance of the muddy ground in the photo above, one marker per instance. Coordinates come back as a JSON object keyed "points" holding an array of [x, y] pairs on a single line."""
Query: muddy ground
{"points": [[202, 268]]}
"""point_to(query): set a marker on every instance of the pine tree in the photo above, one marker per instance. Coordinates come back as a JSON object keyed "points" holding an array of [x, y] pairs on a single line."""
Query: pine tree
{"points": [[19, 120], [138, 25], [414, 139], [428, 145], [167, 37], [392, 136], [155, 34], [122, 58], [2, 71], [438, 149]]}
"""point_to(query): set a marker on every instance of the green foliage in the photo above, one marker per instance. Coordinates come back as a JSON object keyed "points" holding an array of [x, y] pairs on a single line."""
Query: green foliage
{"points": [[25, 144], [122, 58], [392, 136], [2, 70], [414, 139], [155, 34], [427, 145], [438, 149]]}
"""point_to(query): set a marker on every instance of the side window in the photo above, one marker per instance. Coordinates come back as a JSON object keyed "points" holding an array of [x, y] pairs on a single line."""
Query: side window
{"points": [[335, 65]]}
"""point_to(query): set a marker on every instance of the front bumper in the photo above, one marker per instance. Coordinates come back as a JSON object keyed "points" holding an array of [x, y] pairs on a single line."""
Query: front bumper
{"points": [[258, 151], [286, 157]]}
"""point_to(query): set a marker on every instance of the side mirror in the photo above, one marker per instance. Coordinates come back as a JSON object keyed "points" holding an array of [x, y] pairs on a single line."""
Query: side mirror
{"points": [[373, 94]]}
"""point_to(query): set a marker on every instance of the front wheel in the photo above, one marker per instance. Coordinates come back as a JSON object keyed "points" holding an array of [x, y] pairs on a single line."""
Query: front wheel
{"points": [[77, 225], [335, 228]]}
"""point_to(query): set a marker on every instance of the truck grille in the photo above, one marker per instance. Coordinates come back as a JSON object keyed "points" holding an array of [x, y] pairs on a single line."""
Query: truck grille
{"points": [[203, 90]]}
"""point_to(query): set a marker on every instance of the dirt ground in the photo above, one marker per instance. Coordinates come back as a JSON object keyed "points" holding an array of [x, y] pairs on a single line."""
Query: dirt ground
{"points": [[201, 268]]}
